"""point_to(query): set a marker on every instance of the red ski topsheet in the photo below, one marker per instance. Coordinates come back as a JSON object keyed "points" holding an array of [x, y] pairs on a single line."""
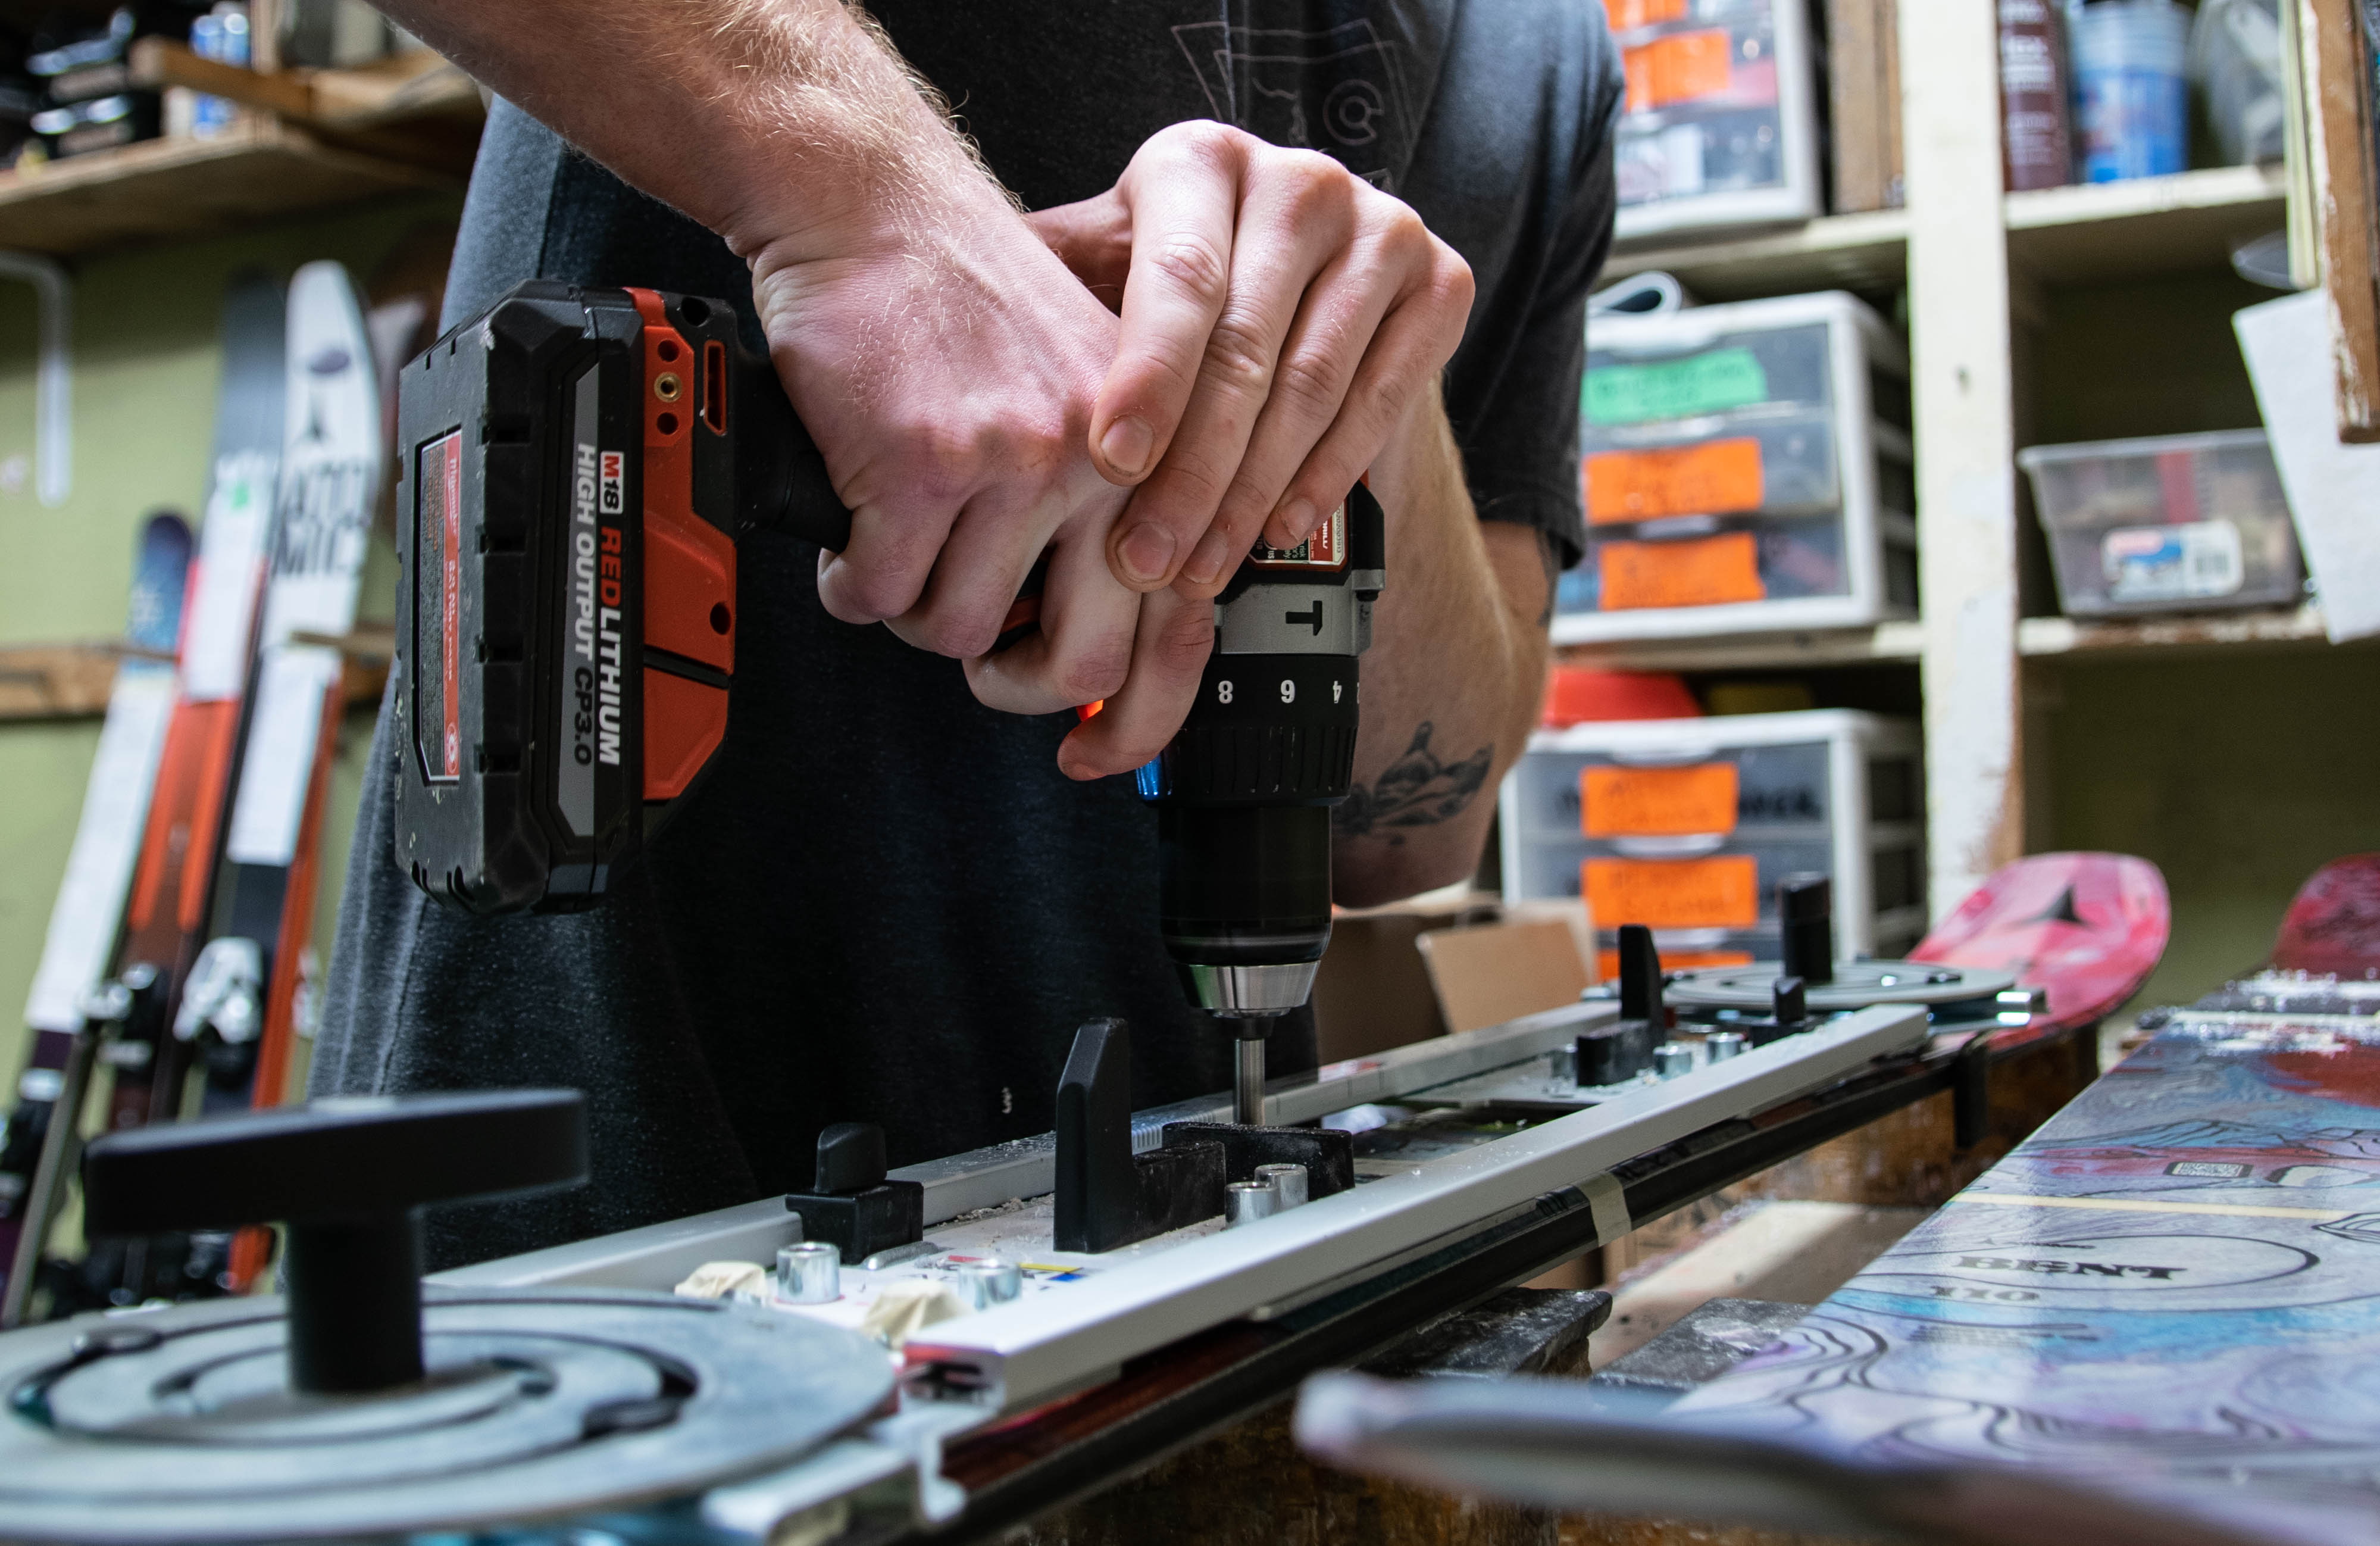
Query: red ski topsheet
{"points": [[2089, 927], [2333, 924]]}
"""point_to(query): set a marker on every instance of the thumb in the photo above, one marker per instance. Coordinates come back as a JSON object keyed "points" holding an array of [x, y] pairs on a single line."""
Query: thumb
{"points": [[1093, 238]]}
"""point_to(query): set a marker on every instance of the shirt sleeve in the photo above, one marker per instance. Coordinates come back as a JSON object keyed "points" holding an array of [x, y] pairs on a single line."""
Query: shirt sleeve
{"points": [[1512, 391]]}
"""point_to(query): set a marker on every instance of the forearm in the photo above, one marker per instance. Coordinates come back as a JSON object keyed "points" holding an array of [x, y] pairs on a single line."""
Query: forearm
{"points": [[1454, 680], [719, 106]]}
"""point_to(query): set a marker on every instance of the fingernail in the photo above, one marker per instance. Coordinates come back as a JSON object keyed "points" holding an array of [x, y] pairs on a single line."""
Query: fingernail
{"points": [[1147, 550], [1298, 518], [1207, 559], [1125, 446]]}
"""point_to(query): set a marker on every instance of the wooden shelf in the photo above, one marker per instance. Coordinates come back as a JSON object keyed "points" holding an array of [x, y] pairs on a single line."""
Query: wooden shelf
{"points": [[1837, 252], [2097, 231], [72, 681], [1884, 643], [1901, 642], [2051, 637], [2065, 236], [58, 681], [262, 168]]}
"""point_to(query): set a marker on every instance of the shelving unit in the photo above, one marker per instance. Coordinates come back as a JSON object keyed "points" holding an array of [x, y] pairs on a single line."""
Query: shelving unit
{"points": [[307, 139], [261, 168], [1985, 274], [2056, 235]]}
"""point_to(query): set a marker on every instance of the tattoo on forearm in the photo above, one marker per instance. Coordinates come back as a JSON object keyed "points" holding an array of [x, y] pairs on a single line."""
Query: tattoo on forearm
{"points": [[1549, 555], [1417, 790]]}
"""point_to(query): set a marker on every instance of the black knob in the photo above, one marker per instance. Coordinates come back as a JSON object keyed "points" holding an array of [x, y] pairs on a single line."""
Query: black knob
{"points": [[850, 1157], [1640, 974], [1789, 1003], [1805, 915], [348, 1177]]}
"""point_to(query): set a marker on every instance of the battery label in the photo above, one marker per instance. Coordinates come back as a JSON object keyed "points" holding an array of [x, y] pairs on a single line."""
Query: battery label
{"points": [[592, 644], [1325, 548], [438, 619]]}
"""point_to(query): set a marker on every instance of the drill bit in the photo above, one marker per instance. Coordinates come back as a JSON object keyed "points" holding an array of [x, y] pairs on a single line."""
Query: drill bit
{"points": [[1248, 1078]]}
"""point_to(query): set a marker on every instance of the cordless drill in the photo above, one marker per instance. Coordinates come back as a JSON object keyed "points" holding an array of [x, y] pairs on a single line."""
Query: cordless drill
{"points": [[578, 465]]}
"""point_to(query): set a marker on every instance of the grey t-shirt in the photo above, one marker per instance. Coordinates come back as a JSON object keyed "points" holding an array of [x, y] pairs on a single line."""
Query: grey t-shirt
{"points": [[885, 904]]}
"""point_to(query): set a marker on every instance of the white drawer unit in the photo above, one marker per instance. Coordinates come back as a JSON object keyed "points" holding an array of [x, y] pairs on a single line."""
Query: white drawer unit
{"points": [[1720, 128], [1686, 825], [1746, 469]]}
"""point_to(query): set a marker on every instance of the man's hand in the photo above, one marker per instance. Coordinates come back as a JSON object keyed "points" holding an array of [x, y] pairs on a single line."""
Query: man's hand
{"points": [[946, 369], [946, 362], [1279, 316]]}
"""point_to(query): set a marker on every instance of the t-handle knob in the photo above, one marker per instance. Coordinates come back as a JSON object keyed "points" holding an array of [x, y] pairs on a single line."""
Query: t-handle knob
{"points": [[348, 1177], [1805, 920], [1639, 975]]}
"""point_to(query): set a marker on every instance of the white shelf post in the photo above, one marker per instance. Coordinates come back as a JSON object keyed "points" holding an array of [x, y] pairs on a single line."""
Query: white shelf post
{"points": [[1966, 468]]}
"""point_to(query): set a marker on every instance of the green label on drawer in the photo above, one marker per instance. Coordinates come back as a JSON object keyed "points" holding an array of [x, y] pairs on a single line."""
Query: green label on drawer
{"points": [[1675, 388]]}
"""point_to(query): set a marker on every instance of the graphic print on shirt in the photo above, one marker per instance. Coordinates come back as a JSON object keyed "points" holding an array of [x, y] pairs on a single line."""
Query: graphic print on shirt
{"points": [[1339, 90]]}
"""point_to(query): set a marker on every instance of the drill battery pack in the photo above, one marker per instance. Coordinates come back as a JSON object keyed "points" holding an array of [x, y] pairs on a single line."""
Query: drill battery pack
{"points": [[577, 464]]}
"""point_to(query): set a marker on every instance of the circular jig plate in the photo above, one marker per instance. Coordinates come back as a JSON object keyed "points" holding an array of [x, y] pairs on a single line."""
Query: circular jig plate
{"points": [[1857, 984], [179, 1425]]}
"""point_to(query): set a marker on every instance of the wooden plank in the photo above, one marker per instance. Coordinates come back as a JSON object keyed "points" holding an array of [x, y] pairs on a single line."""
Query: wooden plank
{"points": [[1966, 467], [1854, 78], [58, 681], [2339, 150], [1884, 642], [2079, 234], [163, 189], [72, 681], [1838, 252], [2098, 231], [2301, 628]]}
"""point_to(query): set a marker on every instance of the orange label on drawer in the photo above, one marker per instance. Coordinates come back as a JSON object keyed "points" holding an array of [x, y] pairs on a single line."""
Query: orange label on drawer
{"points": [[1607, 962], [1627, 14], [1678, 68], [1658, 802], [1704, 572], [1722, 892], [1713, 478]]}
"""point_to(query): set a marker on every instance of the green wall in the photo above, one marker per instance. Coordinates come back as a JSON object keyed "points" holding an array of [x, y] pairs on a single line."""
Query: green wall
{"points": [[2238, 774], [146, 357]]}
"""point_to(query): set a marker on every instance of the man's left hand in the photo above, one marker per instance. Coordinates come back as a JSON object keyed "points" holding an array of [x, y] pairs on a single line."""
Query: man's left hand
{"points": [[1280, 314]]}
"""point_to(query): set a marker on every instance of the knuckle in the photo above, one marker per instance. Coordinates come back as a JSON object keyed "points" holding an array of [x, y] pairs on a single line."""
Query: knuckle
{"points": [[1183, 644], [1097, 672], [1189, 485], [874, 594], [1194, 265], [1238, 354], [1311, 380]]}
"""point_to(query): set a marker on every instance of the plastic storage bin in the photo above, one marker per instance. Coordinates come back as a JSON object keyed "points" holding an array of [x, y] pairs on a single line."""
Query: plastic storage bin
{"points": [[2176, 523], [1687, 825], [1745, 468], [1720, 128]]}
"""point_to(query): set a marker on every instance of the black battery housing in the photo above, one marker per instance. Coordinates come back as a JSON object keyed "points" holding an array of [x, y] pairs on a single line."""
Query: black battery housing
{"points": [[575, 465]]}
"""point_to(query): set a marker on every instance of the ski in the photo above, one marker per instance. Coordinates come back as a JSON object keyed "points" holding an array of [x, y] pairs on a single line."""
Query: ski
{"points": [[174, 879], [239, 1014], [37, 1140], [170, 891]]}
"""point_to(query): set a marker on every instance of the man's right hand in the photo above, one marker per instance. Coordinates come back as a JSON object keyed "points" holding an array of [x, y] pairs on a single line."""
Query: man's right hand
{"points": [[946, 364]]}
